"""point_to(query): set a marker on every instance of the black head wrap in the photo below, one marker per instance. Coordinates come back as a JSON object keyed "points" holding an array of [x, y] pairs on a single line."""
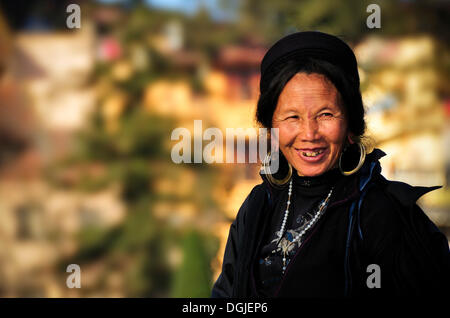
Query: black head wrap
{"points": [[309, 44]]}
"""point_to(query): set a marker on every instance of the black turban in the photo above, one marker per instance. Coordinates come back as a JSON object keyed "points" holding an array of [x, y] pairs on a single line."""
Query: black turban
{"points": [[312, 44]]}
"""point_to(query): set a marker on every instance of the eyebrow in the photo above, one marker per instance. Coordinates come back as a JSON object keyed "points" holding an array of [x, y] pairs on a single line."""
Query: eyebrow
{"points": [[330, 107], [324, 107]]}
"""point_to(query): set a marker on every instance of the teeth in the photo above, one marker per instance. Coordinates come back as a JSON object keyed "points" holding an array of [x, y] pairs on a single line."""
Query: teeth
{"points": [[313, 153]]}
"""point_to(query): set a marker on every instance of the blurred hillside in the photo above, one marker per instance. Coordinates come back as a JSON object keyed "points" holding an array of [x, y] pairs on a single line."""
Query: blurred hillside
{"points": [[86, 117]]}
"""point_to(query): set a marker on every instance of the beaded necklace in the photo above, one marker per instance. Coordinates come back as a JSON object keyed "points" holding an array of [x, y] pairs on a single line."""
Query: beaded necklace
{"points": [[286, 247]]}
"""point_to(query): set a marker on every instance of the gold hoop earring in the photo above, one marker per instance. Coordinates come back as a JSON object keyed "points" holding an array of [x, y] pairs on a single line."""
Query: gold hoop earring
{"points": [[362, 157], [273, 181]]}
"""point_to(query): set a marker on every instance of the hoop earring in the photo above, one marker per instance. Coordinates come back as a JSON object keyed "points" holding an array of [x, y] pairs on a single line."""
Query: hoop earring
{"points": [[362, 157], [273, 181]]}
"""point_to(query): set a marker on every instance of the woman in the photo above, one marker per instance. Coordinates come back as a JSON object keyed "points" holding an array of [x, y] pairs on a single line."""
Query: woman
{"points": [[326, 223]]}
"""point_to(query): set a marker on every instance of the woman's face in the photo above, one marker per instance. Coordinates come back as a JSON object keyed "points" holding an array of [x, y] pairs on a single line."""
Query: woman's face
{"points": [[311, 122]]}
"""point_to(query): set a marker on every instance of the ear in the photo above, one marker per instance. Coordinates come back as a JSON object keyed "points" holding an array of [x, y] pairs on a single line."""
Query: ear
{"points": [[350, 137]]}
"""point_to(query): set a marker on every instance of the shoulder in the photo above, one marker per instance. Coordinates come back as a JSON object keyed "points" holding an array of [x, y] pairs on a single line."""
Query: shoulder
{"points": [[395, 193], [380, 221], [383, 197], [379, 210], [389, 208], [406, 194], [396, 224]]}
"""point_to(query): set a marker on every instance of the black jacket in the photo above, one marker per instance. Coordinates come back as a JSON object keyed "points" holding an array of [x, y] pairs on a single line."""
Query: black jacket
{"points": [[369, 220]]}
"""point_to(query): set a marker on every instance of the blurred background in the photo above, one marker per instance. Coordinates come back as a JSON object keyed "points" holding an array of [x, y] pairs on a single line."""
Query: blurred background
{"points": [[86, 117]]}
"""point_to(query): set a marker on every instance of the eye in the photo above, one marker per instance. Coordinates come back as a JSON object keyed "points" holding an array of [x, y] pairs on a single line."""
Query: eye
{"points": [[292, 117], [326, 115]]}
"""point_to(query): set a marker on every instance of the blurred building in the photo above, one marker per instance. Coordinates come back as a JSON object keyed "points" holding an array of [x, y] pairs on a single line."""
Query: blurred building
{"points": [[46, 98], [402, 90], [231, 84]]}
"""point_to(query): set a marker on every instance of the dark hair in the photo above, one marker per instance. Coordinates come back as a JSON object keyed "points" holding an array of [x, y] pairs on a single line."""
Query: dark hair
{"points": [[347, 87]]}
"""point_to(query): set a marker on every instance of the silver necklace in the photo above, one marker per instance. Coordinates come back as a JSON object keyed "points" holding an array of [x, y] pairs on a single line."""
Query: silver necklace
{"points": [[300, 235]]}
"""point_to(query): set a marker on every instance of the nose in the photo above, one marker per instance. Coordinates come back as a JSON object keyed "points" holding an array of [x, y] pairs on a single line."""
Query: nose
{"points": [[309, 130]]}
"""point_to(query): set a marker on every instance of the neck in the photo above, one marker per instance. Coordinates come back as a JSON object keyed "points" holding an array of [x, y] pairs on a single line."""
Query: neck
{"points": [[327, 177]]}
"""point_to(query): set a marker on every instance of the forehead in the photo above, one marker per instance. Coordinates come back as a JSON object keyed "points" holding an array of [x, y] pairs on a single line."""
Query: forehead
{"points": [[309, 90]]}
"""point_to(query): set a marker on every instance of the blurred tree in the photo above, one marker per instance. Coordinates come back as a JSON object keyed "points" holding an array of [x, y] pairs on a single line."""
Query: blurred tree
{"points": [[273, 19], [207, 36], [132, 145], [193, 278]]}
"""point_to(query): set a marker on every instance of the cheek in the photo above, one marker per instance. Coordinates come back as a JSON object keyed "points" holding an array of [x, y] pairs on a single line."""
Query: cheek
{"points": [[336, 135], [286, 136]]}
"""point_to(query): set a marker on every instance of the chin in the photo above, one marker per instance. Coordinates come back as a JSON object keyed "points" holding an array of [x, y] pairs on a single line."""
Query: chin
{"points": [[311, 171]]}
